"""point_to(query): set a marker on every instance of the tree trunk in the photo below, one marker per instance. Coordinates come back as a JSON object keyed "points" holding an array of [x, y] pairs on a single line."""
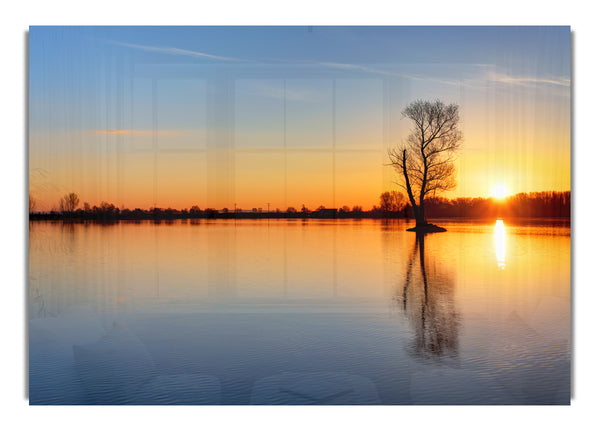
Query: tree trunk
{"points": [[421, 221], [416, 209], [417, 213]]}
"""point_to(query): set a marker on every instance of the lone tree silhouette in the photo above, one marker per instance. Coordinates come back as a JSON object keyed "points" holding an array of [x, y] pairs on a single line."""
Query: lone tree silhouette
{"points": [[426, 160], [68, 203]]}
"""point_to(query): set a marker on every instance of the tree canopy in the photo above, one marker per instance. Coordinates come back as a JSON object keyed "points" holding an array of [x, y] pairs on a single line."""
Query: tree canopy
{"points": [[425, 161]]}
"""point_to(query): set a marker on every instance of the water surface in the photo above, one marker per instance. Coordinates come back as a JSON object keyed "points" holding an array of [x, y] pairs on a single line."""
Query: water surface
{"points": [[299, 312]]}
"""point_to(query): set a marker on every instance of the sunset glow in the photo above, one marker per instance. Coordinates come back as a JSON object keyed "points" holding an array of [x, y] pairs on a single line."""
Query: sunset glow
{"points": [[499, 191], [161, 130]]}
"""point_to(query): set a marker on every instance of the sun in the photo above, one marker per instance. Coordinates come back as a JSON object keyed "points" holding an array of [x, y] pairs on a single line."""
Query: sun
{"points": [[499, 191]]}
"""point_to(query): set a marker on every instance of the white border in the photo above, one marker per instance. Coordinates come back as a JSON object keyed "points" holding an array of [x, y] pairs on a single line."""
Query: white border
{"points": [[15, 21]]}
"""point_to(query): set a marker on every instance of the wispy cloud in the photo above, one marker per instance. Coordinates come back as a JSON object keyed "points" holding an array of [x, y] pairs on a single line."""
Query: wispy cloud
{"points": [[175, 51], [473, 82], [358, 67], [384, 72], [504, 78], [336, 65], [311, 94], [527, 81], [142, 132]]}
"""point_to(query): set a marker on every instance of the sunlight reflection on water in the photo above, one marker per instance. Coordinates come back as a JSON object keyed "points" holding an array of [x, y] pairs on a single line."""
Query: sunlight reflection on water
{"points": [[500, 241]]}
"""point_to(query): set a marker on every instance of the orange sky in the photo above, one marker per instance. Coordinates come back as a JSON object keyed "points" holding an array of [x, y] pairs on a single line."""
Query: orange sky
{"points": [[524, 149]]}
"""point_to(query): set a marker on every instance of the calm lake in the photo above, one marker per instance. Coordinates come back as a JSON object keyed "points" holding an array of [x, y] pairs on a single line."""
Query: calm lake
{"points": [[299, 312]]}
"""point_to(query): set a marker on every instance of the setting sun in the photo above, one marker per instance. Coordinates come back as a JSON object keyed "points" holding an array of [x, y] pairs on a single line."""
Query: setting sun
{"points": [[499, 191]]}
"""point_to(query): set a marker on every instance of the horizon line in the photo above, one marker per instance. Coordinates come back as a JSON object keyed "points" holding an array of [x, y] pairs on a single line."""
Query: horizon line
{"points": [[251, 208]]}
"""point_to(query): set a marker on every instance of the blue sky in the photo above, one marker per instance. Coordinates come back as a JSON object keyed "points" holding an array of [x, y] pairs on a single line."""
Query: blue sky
{"points": [[334, 44], [55, 52]]}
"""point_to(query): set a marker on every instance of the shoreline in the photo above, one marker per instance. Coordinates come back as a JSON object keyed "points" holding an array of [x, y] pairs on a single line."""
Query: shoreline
{"points": [[283, 216]]}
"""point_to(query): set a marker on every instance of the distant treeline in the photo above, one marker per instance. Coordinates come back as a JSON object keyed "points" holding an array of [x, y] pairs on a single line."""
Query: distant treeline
{"points": [[536, 204], [392, 205], [107, 211]]}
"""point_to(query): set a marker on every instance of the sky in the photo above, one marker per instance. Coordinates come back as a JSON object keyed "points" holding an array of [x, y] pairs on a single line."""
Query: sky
{"points": [[273, 117]]}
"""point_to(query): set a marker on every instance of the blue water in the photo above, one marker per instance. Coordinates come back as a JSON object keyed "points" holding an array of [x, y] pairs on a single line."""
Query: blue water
{"points": [[291, 312]]}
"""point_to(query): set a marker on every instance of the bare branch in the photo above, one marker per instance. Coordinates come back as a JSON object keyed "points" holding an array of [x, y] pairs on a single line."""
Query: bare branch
{"points": [[426, 161]]}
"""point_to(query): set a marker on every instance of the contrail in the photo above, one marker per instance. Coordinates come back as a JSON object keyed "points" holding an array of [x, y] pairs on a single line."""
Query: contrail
{"points": [[174, 51]]}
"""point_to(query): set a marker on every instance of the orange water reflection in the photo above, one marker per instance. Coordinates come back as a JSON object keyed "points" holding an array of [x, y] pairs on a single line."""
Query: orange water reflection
{"points": [[500, 242], [128, 266]]}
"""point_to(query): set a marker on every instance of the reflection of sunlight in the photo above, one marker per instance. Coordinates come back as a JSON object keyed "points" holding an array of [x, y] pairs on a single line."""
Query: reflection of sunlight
{"points": [[500, 240]]}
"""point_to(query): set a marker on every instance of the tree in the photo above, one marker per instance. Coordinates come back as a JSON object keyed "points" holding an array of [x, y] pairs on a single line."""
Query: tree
{"points": [[426, 160], [107, 208], [391, 201], [32, 203], [68, 203]]}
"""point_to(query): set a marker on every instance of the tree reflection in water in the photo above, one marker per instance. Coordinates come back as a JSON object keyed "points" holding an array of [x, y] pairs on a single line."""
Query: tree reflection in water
{"points": [[427, 300]]}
